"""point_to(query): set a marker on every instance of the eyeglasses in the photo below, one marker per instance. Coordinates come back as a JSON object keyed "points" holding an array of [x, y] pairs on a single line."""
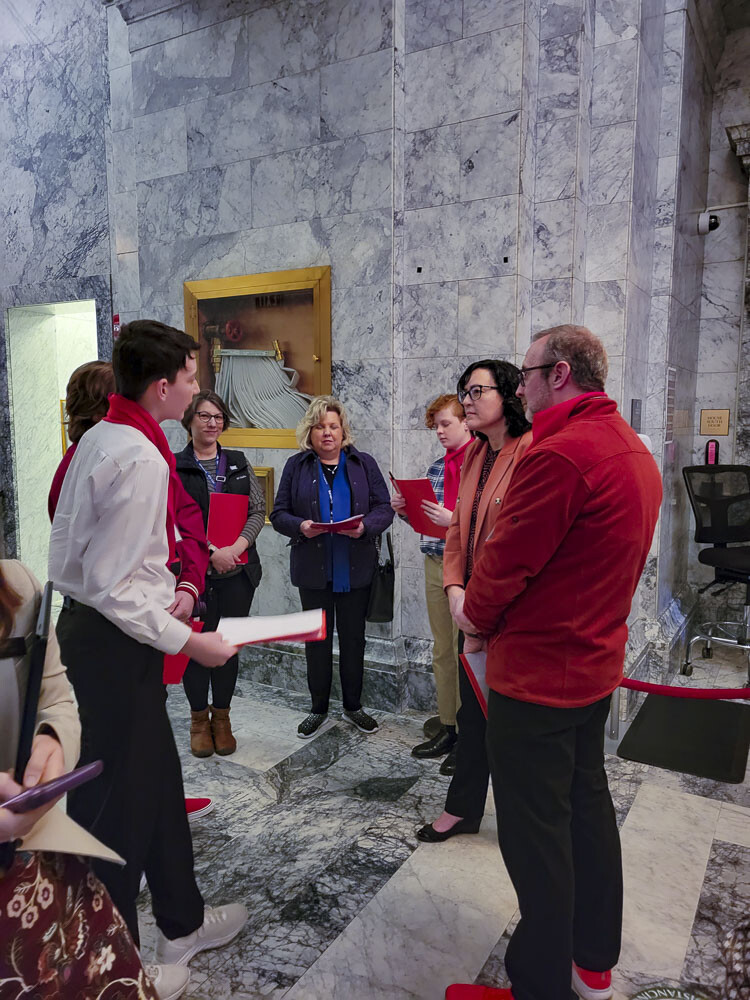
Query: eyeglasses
{"points": [[523, 372], [206, 418], [474, 392]]}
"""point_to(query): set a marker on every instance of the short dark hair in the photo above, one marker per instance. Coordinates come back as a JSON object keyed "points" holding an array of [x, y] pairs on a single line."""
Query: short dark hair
{"points": [[86, 396], [506, 377], [146, 351], [205, 396]]}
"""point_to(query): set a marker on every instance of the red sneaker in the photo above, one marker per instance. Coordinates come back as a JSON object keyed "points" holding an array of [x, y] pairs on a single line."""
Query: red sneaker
{"points": [[196, 808], [468, 991], [592, 985]]}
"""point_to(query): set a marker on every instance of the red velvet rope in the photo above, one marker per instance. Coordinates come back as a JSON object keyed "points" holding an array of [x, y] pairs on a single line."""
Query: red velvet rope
{"points": [[685, 692]]}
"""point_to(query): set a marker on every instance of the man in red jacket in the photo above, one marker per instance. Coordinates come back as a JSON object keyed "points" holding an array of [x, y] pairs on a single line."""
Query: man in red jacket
{"points": [[550, 597]]}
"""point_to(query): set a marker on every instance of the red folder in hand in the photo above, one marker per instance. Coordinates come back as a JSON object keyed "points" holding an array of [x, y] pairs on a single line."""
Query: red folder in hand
{"points": [[176, 663], [414, 491], [227, 516]]}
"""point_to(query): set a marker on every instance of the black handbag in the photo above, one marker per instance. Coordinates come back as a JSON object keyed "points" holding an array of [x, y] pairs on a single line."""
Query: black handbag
{"points": [[380, 607]]}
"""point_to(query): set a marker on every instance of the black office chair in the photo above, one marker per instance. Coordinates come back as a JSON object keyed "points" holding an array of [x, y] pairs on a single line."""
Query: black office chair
{"points": [[720, 498]]}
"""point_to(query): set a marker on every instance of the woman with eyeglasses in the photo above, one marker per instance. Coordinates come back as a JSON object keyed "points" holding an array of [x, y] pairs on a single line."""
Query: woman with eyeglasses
{"points": [[495, 415], [205, 468]]}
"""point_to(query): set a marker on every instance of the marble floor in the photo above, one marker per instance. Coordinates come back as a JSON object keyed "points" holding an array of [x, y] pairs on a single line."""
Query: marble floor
{"points": [[317, 839]]}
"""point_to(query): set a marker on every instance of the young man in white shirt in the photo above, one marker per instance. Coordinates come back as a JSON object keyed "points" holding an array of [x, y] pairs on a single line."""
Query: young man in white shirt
{"points": [[112, 539]]}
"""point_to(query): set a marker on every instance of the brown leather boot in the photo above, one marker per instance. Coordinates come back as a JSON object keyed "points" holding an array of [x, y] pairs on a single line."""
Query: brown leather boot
{"points": [[221, 728], [201, 740]]}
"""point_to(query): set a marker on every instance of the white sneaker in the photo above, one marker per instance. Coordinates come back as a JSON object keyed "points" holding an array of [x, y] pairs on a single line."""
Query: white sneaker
{"points": [[170, 981], [220, 925]]}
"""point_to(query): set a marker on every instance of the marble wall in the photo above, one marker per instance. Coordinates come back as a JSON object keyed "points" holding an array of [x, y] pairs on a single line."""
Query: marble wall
{"points": [[55, 223]]}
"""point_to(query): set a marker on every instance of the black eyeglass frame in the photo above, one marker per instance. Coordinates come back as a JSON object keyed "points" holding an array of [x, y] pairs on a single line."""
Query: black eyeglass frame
{"points": [[534, 368], [463, 393], [206, 418]]}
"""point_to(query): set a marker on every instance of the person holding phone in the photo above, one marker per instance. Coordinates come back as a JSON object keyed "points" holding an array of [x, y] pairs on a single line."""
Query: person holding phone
{"points": [[330, 480], [57, 948], [234, 571]]}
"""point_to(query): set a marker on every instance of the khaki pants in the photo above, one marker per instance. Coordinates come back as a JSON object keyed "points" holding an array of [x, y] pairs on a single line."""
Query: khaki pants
{"points": [[445, 635]]}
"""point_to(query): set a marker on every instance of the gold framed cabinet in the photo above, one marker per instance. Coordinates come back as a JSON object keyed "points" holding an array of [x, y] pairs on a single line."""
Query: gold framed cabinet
{"points": [[265, 347]]}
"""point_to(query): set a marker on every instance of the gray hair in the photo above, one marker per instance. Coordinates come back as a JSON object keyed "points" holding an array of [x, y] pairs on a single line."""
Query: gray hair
{"points": [[581, 349], [315, 413]]}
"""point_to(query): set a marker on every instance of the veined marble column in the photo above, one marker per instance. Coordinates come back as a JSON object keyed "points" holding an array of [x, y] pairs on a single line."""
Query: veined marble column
{"points": [[739, 139]]}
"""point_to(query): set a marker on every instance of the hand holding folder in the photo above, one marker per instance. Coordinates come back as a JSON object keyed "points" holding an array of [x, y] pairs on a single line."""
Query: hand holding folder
{"points": [[414, 492]]}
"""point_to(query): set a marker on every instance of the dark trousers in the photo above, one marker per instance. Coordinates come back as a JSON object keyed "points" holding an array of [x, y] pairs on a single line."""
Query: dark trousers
{"points": [[137, 805], [229, 598], [348, 611], [559, 840], [467, 793]]}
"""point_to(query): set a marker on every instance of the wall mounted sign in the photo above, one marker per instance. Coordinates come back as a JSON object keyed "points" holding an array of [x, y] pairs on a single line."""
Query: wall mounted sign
{"points": [[715, 422]]}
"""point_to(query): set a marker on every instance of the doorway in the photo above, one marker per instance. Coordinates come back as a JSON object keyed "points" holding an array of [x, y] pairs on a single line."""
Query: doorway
{"points": [[46, 343]]}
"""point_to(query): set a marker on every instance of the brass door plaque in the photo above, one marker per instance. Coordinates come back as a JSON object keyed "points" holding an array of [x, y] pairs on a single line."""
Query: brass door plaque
{"points": [[715, 423]]}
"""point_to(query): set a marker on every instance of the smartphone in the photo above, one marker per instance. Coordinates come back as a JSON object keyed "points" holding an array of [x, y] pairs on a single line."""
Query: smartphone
{"points": [[40, 795]]}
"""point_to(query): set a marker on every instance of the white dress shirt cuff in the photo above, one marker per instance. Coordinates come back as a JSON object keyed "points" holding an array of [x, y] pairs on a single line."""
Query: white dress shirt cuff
{"points": [[174, 636]]}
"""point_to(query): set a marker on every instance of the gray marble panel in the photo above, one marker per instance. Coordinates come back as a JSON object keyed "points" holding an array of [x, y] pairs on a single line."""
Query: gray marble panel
{"points": [[473, 240], [607, 250], [284, 186], [361, 322], [465, 79], [414, 620], [427, 378], [198, 65], [276, 248], [523, 318], [645, 174], [117, 39], [121, 98], [158, 28], [355, 174], [674, 46], [526, 236], [356, 96], [123, 160], [359, 247], [669, 118], [125, 222], [160, 144], [604, 313], [433, 22], [488, 15], [556, 158], [719, 349], [727, 242], [641, 250], [264, 119], [648, 104], [560, 17], [364, 389], [432, 172], [489, 157], [551, 303], [199, 203], [637, 323], [616, 20], [487, 310], [722, 306], [558, 78], [351, 30], [662, 261], [430, 320], [553, 238], [610, 179], [615, 69], [666, 185]]}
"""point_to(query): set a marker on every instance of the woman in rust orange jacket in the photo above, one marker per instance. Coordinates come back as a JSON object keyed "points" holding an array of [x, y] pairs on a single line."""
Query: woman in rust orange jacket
{"points": [[487, 390]]}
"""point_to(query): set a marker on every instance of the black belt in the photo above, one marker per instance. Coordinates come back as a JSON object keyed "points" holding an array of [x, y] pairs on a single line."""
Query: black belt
{"points": [[68, 603]]}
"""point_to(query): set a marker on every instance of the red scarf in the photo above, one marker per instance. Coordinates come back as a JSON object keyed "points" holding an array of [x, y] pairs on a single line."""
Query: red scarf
{"points": [[125, 411], [453, 462]]}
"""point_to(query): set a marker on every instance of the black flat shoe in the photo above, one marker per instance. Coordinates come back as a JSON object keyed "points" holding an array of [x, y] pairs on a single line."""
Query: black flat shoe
{"points": [[449, 764], [429, 835], [432, 727], [438, 746]]}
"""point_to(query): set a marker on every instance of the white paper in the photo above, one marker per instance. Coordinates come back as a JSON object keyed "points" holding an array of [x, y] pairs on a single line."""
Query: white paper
{"points": [[263, 628]]}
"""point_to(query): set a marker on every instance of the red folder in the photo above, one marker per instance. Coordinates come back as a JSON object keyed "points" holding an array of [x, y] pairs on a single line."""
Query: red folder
{"points": [[175, 663], [334, 527], [227, 516], [414, 491]]}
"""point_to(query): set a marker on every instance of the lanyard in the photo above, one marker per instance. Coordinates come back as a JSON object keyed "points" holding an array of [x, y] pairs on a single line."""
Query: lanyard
{"points": [[329, 487], [217, 481]]}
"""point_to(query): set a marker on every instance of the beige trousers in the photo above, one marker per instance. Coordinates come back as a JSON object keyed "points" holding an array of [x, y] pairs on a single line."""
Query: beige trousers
{"points": [[445, 635]]}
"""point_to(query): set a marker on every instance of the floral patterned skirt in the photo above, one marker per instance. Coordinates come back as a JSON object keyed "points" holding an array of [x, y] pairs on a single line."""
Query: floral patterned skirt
{"points": [[61, 936]]}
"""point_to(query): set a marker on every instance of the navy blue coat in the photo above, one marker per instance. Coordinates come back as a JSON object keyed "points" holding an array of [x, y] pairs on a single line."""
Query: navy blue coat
{"points": [[298, 500]]}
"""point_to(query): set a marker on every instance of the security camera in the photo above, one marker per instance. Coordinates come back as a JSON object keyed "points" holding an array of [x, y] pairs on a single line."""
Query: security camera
{"points": [[707, 222]]}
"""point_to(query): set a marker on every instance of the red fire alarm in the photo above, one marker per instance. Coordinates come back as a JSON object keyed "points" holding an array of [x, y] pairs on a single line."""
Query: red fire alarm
{"points": [[116, 325]]}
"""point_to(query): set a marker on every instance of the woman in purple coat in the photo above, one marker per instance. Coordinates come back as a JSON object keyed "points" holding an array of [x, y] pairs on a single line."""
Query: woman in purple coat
{"points": [[329, 480]]}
